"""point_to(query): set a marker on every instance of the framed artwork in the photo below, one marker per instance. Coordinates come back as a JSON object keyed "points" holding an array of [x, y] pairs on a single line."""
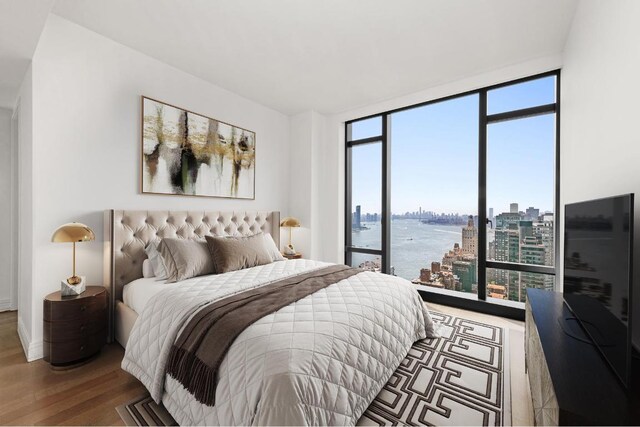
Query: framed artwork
{"points": [[184, 153]]}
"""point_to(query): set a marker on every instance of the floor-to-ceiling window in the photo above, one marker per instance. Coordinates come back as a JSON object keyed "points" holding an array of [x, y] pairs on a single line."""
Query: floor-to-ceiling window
{"points": [[459, 195]]}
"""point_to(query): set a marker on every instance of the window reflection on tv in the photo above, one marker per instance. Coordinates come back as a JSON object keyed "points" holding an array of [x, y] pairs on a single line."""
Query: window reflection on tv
{"points": [[597, 274]]}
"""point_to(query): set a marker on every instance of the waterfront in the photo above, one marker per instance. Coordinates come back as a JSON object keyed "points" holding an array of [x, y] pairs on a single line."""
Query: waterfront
{"points": [[414, 245]]}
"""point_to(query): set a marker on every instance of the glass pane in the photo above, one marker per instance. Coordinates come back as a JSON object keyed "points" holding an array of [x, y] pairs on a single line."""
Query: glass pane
{"points": [[366, 261], [434, 188], [512, 285], [522, 95], [366, 195], [520, 190], [366, 128]]}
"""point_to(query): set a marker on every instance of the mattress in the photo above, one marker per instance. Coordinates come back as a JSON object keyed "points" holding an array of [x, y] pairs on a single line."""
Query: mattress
{"points": [[138, 293]]}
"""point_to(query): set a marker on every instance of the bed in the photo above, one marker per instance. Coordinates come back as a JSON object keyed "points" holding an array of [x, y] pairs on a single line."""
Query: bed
{"points": [[320, 360]]}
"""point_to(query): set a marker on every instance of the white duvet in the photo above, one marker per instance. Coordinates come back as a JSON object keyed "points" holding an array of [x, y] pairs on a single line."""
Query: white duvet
{"points": [[319, 361]]}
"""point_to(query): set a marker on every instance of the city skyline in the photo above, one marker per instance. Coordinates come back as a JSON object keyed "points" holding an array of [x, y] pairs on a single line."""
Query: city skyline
{"points": [[425, 212], [519, 235]]}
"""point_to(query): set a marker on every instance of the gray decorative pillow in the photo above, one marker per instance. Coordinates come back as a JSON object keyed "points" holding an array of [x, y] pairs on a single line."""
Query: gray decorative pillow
{"points": [[185, 258], [157, 263], [236, 253]]}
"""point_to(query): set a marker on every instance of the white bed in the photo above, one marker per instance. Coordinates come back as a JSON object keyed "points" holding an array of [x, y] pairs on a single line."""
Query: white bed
{"points": [[321, 360]]}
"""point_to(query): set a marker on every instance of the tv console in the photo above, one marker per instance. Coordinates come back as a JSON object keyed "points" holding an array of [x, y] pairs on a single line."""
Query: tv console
{"points": [[571, 383]]}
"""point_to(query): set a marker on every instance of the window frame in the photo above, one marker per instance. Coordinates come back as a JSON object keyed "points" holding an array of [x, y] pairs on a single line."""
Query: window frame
{"points": [[480, 304]]}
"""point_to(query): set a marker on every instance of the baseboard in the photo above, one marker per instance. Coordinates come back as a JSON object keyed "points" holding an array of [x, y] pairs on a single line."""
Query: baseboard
{"points": [[5, 304], [32, 350]]}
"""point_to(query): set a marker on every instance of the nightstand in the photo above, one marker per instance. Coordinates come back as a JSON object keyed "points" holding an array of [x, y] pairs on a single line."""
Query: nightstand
{"points": [[75, 327], [296, 256]]}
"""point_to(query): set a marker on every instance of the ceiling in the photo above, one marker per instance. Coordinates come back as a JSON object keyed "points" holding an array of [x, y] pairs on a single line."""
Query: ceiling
{"points": [[21, 22], [325, 55]]}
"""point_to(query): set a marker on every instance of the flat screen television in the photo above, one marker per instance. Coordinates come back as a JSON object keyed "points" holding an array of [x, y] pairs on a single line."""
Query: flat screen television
{"points": [[598, 260]]}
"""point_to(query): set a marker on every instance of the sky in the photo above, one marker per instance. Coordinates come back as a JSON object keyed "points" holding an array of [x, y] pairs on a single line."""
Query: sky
{"points": [[434, 155]]}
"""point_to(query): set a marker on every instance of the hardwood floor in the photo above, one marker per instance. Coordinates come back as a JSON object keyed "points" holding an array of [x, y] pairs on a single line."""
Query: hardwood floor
{"points": [[34, 394]]}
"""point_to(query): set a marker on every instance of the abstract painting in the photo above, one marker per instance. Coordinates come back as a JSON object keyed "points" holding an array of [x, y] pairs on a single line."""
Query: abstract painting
{"points": [[189, 154]]}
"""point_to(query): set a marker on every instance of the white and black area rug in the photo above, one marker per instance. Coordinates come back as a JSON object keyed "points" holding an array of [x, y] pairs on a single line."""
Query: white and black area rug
{"points": [[461, 378]]}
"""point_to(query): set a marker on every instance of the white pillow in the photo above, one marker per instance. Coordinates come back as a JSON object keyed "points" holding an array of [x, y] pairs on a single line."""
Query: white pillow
{"points": [[147, 270], [156, 261], [272, 248]]}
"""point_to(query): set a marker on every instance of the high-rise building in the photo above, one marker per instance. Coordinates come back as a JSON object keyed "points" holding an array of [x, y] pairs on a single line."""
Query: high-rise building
{"points": [[491, 214], [470, 238], [513, 208], [466, 273], [532, 214], [357, 223]]}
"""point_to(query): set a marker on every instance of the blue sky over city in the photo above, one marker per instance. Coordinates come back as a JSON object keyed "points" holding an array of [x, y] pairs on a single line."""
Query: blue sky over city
{"points": [[435, 155]]}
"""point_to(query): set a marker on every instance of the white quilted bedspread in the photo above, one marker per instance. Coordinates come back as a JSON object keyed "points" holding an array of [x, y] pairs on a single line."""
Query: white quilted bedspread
{"points": [[319, 361]]}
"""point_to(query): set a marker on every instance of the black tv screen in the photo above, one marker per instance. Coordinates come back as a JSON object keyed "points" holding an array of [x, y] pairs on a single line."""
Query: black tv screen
{"points": [[598, 248]]}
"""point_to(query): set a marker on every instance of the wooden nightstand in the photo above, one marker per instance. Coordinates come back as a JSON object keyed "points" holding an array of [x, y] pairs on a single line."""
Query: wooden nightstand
{"points": [[75, 327], [296, 256]]}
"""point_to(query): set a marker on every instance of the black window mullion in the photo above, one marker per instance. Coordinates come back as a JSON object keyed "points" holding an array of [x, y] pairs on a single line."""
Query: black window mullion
{"points": [[355, 249], [377, 138], [556, 215], [386, 194], [347, 194], [522, 114], [482, 197]]}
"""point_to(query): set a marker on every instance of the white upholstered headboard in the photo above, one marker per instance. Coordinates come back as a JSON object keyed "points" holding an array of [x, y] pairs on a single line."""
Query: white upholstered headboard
{"points": [[126, 233]]}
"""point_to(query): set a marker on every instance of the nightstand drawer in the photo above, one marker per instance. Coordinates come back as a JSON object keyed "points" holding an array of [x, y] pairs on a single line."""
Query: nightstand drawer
{"points": [[71, 351], [74, 308], [75, 329]]}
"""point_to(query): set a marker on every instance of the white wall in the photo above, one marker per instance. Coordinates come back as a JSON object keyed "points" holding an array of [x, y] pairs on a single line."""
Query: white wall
{"points": [[600, 138], [306, 133], [331, 147], [32, 348], [6, 206], [86, 145]]}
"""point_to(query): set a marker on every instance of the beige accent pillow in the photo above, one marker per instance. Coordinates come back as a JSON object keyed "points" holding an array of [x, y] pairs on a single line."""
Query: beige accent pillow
{"points": [[272, 248], [236, 253], [184, 258]]}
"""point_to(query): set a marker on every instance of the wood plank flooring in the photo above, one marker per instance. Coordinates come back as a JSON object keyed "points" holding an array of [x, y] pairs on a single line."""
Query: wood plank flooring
{"points": [[34, 394]]}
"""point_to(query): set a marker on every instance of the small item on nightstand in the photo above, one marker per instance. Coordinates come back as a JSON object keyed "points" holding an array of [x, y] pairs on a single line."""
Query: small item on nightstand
{"points": [[69, 290], [292, 256], [72, 233]]}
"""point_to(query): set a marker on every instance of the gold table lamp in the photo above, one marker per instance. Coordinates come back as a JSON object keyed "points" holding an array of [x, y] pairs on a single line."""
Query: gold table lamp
{"points": [[290, 222], [72, 233]]}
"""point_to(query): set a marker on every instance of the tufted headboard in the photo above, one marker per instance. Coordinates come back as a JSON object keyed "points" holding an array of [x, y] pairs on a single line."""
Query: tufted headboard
{"points": [[126, 233]]}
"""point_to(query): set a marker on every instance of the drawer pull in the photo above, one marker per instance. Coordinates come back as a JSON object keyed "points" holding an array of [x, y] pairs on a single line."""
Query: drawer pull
{"points": [[81, 348], [83, 307], [82, 328]]}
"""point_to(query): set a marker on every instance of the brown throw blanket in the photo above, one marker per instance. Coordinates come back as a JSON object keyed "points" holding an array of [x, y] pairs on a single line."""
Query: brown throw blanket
{"points": [[203, 343]]}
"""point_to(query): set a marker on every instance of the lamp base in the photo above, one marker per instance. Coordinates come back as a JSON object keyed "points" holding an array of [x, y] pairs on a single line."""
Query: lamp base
{"points": [[68, 290], [289, 250]]}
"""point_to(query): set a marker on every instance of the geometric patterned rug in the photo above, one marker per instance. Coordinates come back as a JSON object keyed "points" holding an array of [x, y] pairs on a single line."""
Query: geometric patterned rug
{"points": [[461, 378]]}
